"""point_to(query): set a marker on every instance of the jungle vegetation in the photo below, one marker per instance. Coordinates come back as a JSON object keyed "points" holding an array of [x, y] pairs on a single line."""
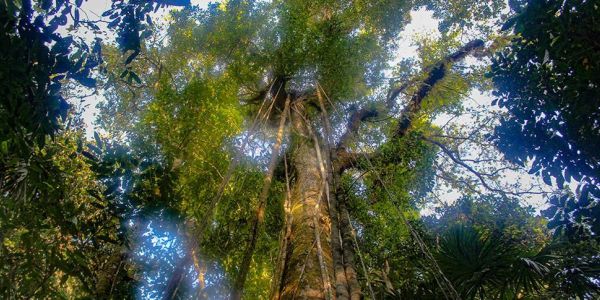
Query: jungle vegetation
{"points": [[289, 149]]}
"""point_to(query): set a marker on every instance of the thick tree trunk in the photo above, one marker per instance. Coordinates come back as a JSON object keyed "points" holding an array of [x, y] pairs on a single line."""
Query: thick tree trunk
{"points": [[307, 271], [317, 255]]}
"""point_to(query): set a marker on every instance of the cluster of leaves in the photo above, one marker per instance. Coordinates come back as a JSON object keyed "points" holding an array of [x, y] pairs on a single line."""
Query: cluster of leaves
{"points": [[181, 122], [31, 73], [574, 269], [132, 21], [484, 241], [492, 247], [547, 80], [515, 222], [60, 227], [488, 247], [468, 15], [141, 190], [59, 235], [485, 266], [343, 46], [58, 240], [405, 167], [576, 215], [185, 112], [479, 244], [381, 202]]}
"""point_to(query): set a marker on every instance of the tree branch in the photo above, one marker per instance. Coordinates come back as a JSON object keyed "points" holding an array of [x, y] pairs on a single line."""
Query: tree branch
{"points": [[357, 117], [394, 92], [436, 74], [480, 176], [459, 161]]}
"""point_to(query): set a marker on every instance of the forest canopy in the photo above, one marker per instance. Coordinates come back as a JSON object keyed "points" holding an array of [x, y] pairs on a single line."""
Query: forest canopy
{"points": [[284, 149]]}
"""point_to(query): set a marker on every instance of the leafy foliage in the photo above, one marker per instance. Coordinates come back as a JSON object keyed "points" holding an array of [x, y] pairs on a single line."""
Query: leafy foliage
{"points": [[547, 79], [103, 218], [488, 267], [60, 228], [132, 20], [59, 234], [32, 73]]}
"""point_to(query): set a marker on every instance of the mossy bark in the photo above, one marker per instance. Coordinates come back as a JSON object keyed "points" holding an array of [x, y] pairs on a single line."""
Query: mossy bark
{"points": [[307, 273]]}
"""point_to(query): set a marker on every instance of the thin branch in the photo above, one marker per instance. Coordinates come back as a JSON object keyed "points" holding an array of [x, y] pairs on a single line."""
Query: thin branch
{"points": [[481, 176], [281, 264], [459, 161], [317, 215], [393, 94]]}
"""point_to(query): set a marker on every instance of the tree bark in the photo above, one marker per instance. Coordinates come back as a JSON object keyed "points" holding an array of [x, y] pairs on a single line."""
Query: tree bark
{"points": [[304, 266], [175, 279], [349, 255], [342, 290]]}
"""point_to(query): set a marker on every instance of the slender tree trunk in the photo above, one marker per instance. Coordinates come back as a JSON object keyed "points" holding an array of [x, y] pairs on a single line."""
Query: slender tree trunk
{"points": [[285, 238], [193, 233], [348, 248], [342, 289], [175, 279], [238, 286]]}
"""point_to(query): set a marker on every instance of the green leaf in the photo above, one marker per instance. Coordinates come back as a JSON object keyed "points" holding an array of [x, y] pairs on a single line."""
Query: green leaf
{"points": [[98, 140], [4, 147], [546, 178]]}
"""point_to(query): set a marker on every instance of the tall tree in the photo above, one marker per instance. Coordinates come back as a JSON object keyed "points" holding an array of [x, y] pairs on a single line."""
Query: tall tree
{"points": [[287, 149], [313, 58]]}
